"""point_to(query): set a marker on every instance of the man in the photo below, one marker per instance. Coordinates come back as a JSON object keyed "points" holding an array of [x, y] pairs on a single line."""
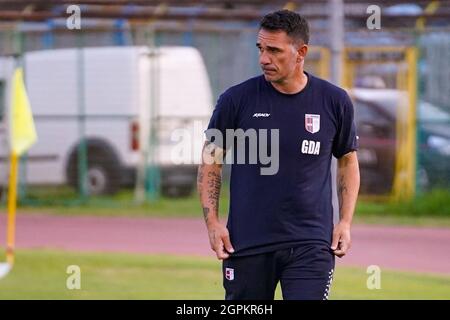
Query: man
{"points": [[280, 226]]}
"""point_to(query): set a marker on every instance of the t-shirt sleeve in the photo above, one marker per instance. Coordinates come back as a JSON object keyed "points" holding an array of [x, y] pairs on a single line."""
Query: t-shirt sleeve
{"points": [[346, 139], [223, 118]]}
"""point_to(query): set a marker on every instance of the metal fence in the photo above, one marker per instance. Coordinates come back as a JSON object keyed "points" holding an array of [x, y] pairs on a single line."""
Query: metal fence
{"points": [[433, 116], [403, 148]]}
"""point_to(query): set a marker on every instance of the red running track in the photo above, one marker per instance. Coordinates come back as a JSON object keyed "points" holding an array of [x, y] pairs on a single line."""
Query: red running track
{"points": [[403, 248]]}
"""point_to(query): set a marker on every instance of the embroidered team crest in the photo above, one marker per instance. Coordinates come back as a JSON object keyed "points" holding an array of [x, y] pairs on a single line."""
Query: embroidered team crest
{"points": [[229, 273], [312, 122]]}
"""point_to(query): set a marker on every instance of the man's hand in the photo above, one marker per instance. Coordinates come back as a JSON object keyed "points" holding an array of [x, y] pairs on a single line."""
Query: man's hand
{"points": [[341, 239], [219, 240]]}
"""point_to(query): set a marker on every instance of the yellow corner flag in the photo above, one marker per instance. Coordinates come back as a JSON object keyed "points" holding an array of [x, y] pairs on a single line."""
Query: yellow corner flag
{"points": [[22, 137], [23, 133]]}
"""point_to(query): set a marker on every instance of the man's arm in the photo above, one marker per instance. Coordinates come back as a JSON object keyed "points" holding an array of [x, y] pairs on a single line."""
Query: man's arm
{"points": [[209, 181], [347, 189]]}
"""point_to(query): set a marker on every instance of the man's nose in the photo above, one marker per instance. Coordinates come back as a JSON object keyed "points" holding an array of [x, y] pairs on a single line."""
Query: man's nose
{"points": [[264, 58]]}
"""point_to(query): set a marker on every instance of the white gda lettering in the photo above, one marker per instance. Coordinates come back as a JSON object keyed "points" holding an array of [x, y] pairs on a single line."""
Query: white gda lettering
{"points": [[310, 147]]}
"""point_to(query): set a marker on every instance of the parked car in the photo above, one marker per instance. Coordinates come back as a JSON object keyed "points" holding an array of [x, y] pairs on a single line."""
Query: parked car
{"points": [[434, 138], [375, 118], [107, 96], [375, 123]]}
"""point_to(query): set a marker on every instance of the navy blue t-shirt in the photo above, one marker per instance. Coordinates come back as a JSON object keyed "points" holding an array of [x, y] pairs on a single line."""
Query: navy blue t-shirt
{"points": [[293, 206]]}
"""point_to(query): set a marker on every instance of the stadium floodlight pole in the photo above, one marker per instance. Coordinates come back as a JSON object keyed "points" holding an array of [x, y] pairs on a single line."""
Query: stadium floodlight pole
{"points": [[143, 132], [336, 39]]}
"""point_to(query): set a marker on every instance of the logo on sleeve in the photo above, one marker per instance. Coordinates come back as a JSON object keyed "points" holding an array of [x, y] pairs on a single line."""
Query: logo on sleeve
{"points": [[312, 123], [229, 274]]}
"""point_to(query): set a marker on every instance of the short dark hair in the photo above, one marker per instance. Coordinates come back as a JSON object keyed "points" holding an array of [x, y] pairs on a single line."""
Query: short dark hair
{"points": [[291, 22]]}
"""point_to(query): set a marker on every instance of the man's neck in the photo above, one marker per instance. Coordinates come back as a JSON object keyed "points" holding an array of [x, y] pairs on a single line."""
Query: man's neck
{"points": [[292, 86]]}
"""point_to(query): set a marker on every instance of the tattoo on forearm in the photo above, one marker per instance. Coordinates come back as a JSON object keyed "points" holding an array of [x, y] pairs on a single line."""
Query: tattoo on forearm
{"points": [[205, 213], [342, 189], [209, 182], [200, 174], [214, 185], [200, 180]]}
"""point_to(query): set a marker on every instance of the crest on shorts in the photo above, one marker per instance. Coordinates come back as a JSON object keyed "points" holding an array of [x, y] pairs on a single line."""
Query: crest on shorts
{"points": [[229, 273], [312, 123]]}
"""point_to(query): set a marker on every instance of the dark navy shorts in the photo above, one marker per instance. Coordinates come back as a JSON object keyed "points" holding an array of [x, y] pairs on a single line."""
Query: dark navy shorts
{"points": [[305, 272]]}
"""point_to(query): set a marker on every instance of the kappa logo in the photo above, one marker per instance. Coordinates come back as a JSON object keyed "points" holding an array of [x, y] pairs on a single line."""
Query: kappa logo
{"points": [[229, 274], [258, 115], [312, 123]]}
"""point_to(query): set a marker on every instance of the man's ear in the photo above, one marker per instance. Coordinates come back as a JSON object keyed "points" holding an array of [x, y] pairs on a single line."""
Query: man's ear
{"points": [[302, 51]]}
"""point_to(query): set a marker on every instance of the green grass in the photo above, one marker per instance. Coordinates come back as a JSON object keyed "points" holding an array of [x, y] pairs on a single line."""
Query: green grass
{"points": [[431, 209], [63, 201], [394, 220], [435, 203], [41, 274]]}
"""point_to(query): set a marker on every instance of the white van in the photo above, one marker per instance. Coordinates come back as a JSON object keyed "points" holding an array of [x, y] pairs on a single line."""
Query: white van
{"points": [[110, 102]]}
